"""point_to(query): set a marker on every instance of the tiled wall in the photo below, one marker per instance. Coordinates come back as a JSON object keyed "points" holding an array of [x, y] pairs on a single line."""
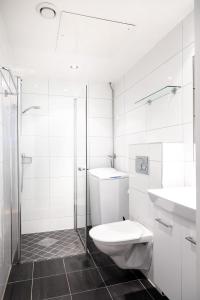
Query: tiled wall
{"points": [[166, 165], [168, 119], [48, 137], [140, 206]]}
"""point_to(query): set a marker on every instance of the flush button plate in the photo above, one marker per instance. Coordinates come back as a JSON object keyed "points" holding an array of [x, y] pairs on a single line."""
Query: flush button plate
{"points": [[142, 165]]}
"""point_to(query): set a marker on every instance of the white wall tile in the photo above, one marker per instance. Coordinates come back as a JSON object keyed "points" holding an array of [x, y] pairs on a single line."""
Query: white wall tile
{"points": [[61, 126], [100, 146], [99, 90], [188, 53], [189, 151], [100, 127], [35, 85], [100, 108], [61, 187], [35, 125], [35, 145], [167, 134], [61, 166], [156, 57], [187, 103], [173, 174], [37, 188], [164, 112], [141, 208], [61, 147], [136, 120], [99, 162], [188, 30], [39, 168], [173, 152], [62, 106]]}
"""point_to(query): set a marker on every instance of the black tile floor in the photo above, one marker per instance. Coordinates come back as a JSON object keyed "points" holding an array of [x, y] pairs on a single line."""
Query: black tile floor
{"points": [[91, 276]]}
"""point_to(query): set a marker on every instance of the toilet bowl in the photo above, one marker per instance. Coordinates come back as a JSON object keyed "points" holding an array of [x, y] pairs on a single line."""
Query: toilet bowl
{"points": [[128, 243]]}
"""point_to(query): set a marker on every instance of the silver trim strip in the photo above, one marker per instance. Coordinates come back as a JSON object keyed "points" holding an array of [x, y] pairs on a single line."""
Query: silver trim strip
{"points": [[19, 84], [75, 164]]}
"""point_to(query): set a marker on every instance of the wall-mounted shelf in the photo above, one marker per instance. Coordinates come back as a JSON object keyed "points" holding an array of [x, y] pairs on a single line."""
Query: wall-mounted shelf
{"points": [[169, 89]]}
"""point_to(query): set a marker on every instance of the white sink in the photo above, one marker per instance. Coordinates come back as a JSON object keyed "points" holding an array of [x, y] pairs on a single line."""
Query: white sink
{"points": [[178, 200]]}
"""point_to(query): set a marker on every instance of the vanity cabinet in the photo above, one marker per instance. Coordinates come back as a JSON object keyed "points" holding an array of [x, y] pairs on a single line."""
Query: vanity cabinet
{"points": [[174, 256], [166, 255], [188, 237]]}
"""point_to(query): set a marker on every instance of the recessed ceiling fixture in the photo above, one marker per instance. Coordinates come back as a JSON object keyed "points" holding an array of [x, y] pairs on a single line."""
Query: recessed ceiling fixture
{"points": [[74, 67], [46, 10]]}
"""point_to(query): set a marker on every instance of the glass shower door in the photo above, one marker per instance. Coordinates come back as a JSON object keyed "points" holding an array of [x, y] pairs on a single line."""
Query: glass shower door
{"points": [[80, 178]]}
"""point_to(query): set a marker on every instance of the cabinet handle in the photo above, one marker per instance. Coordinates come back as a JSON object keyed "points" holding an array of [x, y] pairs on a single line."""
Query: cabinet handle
{"points": [[159, 220], [191, 240]]}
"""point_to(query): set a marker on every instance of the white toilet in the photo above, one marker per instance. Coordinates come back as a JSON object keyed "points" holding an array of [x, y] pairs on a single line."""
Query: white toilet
{"points": [[127, 242]]}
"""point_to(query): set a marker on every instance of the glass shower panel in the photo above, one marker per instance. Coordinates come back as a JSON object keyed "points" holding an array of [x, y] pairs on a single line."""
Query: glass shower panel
{"points": [[9, 170], [81, 167]]}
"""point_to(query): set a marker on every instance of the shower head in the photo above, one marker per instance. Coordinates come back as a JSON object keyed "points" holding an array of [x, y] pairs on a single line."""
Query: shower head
{"points": [[29, 108]]}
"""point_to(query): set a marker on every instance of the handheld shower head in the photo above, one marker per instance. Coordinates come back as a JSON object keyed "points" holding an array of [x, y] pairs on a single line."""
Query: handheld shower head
{"points": [[31, 107]]}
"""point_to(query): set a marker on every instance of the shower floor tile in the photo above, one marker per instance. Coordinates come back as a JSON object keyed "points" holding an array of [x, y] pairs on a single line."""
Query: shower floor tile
{"points": [[49, 245]]}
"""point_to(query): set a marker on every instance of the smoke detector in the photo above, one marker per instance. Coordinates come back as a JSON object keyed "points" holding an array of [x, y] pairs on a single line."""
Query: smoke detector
{"points": [[46, 10]]}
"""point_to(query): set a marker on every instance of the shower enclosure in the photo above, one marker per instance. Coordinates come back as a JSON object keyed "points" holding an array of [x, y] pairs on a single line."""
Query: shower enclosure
{"points": [[9, 192], [54, 175]]}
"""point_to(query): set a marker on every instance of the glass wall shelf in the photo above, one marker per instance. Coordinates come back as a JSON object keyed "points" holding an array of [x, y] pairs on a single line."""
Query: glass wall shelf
{"points": [[169, 89]]}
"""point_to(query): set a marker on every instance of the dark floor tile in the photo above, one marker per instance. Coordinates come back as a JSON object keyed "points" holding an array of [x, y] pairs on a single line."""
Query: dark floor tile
{"points": [[78, 262], [84, 280], [152, 290], [49, 287], [138, 274], [48, 268], [99, 294], [21, 272], [18, 290], [102, 259], [131, 290], [91, 246], [113, 275]]}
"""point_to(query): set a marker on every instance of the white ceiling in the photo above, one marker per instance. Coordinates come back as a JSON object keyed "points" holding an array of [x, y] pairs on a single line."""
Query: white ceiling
{"points": [[104, 51]]}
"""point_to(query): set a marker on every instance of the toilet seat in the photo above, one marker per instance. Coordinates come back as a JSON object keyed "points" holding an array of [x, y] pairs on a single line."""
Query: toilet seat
{"points": [[122, 232]]}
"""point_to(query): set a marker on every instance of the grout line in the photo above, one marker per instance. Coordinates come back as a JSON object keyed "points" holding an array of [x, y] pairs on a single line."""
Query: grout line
{"points": [[32, 283], [67, 277], [146, 289], [59, 297], [81, 270], [95, 289], [101, 276], [48, 276]]}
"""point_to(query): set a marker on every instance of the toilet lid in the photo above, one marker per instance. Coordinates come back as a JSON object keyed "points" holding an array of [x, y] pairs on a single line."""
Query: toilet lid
{"points": [[117, 232]]}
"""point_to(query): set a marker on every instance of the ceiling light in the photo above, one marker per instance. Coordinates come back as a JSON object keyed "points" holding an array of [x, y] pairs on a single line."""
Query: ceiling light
{"points": [[46, 10], [74, 67]]}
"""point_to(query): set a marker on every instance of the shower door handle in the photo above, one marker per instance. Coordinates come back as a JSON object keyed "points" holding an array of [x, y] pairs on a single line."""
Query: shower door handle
{"points": [[81, 169]]}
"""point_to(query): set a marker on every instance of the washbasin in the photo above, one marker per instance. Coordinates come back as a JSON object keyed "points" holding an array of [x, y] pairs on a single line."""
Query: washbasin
{"points": [[178, 200]]}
